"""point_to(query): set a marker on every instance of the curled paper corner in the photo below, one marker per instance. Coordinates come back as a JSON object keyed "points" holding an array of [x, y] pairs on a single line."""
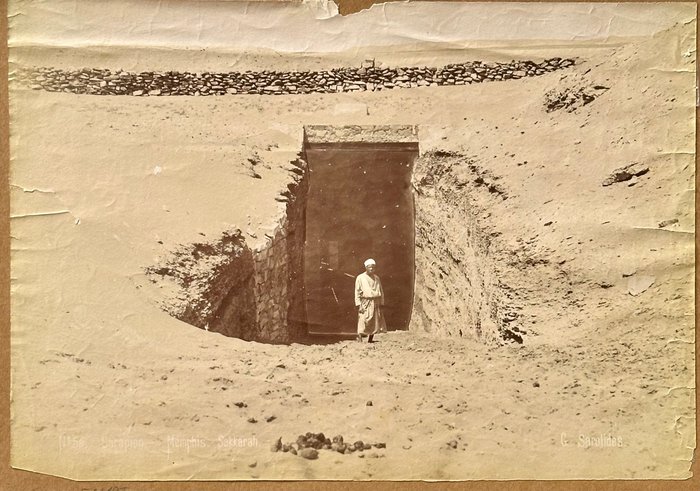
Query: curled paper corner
{"points": [[321, 9]]}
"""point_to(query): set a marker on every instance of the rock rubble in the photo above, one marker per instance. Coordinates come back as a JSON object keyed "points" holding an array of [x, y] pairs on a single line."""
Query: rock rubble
{"points": [[307, 445], [97, 81]]}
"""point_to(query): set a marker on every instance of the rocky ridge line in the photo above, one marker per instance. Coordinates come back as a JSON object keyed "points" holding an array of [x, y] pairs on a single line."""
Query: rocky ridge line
{"points": [[97, 81]]}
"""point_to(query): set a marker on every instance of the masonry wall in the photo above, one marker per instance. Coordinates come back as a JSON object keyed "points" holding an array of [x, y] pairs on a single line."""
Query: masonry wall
{"points": [[279, 279], [271, 290]]}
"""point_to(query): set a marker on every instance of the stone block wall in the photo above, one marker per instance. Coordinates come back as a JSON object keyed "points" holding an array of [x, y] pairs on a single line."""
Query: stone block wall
{"points": [[271, 290]]}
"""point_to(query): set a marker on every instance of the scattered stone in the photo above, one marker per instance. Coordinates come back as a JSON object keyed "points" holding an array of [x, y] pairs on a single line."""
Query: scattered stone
{"points": [[318, 441], [252, 420], [369, 403], [277, 446], [625, 173], [570, 98], [452, 444], [270, 419], [254, 464], [666, 223], [535, 384], [240, 404]]}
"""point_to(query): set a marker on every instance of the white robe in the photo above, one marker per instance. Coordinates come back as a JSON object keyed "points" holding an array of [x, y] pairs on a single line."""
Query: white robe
{"points": [[369, 296]]}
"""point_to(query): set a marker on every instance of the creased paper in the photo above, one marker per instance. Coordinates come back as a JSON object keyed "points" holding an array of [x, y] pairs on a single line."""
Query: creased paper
{"points": [[166, 162]]}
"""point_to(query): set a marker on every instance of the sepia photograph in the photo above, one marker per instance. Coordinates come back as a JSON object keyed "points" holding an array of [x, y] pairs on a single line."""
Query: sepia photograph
{"points": [[424, 241]]}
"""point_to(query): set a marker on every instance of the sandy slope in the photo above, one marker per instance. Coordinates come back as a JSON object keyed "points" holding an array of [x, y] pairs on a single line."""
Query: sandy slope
{"points": [[102, 379]]}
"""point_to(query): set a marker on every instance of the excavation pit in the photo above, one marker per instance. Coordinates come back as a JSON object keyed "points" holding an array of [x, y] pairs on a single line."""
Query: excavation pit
{"points": [[357, 192]]}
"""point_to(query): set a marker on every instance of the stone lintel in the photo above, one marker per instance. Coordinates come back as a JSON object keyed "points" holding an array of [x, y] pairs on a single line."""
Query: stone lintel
{"points": [[319, 134]]}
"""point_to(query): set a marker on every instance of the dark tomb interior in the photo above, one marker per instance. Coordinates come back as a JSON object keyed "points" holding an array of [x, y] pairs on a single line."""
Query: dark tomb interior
{"points": [[359, 205]]}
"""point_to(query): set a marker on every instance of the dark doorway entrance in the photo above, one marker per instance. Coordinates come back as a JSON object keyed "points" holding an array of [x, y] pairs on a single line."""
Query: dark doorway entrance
{"points": [[359, 205]]}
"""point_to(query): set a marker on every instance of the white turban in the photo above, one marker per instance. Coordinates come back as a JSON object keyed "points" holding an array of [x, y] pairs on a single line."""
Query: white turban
{"points": [[370, 262]]}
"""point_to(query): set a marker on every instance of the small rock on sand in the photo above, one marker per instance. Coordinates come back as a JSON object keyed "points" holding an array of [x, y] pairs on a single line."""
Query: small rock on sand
{"points": [[309, 453], [666, 223], [626, 173], [275, 447]]}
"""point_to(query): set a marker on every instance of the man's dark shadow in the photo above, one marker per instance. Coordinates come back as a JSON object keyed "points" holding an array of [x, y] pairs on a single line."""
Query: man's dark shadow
{"points": [[323, 339]]}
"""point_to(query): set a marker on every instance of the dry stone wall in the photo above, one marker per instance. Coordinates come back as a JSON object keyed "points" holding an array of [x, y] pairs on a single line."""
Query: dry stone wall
{"points": [[351, 79]]}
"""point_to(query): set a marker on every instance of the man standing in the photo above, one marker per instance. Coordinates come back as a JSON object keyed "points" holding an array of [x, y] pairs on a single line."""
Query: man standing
{"points": [[369, 298]]}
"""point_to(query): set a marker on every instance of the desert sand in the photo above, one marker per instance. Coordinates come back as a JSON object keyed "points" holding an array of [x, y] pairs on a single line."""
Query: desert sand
{"points": [[106, 385]]}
